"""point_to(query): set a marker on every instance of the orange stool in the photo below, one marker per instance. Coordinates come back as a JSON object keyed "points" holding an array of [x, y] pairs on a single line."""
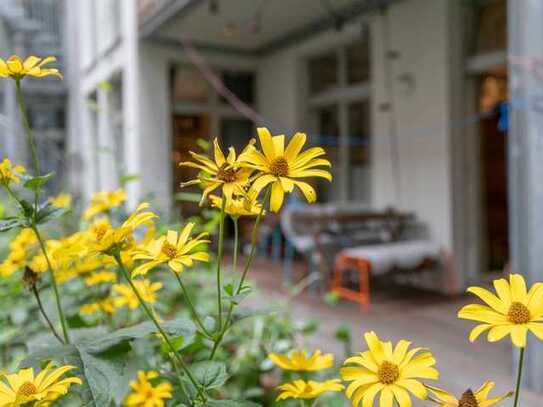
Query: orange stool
{"points": [[362, 296]]}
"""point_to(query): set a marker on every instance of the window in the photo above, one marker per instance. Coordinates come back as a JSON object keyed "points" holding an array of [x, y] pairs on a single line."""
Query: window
{"points": [[189, 86], [323, 73], [491, 27], [236, 132], [241, 84], [339, 111]]}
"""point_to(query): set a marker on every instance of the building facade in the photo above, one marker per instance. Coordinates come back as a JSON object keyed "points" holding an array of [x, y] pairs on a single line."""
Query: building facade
{"points": [[422, 105], [34, 27]]}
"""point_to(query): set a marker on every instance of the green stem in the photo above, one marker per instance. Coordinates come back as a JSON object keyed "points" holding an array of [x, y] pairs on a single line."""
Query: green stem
{"points": [[254, 238], [519, 376], [236, 245], [177, 357], [54, 284], [191, 305], [219, 260], [29, 138], [42, 310]]}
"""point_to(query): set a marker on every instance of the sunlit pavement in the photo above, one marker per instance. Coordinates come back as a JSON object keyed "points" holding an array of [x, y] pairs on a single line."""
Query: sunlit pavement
{"points": [[428, 320]]}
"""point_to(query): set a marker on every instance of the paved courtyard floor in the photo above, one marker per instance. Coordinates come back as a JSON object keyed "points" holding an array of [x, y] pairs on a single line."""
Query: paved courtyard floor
{"points": [[426, 319]]}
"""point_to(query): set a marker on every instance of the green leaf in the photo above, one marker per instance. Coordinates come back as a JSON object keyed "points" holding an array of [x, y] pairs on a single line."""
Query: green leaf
{"points": [[210, 374], [176, 327], [237, 298], [125, 179], [49, 212], [11, 223], [35, 183], [28, 209]]}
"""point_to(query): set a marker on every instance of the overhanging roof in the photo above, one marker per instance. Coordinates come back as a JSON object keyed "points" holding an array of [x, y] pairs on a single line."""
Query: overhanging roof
{"points": [[275, 23]]}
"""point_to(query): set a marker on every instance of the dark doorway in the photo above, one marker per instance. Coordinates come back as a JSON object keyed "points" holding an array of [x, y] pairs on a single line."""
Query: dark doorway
{"points": [[493, 139]]}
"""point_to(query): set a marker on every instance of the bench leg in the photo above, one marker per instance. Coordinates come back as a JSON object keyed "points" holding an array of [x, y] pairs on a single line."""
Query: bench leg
{"points": [[364, 285]]}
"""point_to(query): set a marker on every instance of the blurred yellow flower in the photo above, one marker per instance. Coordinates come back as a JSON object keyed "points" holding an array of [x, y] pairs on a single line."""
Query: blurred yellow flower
{"points": [[178, 250], [125, 296], [105, 239], [144, 394], [391, 371], [300, 389], [241, 205], [20, 249], [23, 388], [282, 167], [222, 172], [104, 201], [469, 398], [513, 311], [10, 173], [105, 305], [16, 68], [99, 277], [62, 200], [299, 361]]}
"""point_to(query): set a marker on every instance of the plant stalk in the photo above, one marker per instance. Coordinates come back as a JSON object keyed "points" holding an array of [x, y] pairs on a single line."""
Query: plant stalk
{"points": [[54, 284], [29, 138], [254, 238], [177, 357], [519, 376], [42, 310], [219, 260], [191, 306]]}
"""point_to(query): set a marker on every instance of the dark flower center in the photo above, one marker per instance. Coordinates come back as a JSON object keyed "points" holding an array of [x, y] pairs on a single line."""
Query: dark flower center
{"points": [[226, 173], [388, 372], [518, 313], [27, 389], [279, 167], [169, 250], [468, 400]]}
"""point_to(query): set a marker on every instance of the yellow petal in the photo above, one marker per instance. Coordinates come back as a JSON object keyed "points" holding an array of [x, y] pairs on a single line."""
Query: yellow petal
{"points": [[219, 156], [402, 396], [294, 147], [370, 394], [492, 301], [518, 335], [477, 331], [387, 397], [375, 346], [497, 333], [277, 196], [30, 62], [308, 191], [504, 292], [279, 145], [266, 142], [518, 288]]}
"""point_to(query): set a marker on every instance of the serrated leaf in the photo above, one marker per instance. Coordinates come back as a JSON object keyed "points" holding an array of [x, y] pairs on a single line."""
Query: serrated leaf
{"points": [[49, 212], [35, 183], [176, 327], [210, 374], [11, 223], [236, 299]]}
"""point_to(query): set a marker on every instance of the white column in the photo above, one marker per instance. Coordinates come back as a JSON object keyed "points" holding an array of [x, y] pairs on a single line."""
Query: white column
{"points": [[132, 136], [525, 152], [106, 150]]}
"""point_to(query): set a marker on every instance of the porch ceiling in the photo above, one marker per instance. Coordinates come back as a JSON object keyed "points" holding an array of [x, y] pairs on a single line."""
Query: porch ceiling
{"points": [[256, 26]]}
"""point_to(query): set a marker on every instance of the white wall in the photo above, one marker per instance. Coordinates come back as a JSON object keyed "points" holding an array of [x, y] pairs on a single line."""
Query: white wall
{"points": [[419, 31]]}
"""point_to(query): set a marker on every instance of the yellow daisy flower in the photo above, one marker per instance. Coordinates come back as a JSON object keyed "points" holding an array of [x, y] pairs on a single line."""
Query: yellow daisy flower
{"points": [[63, 200], [393, 372], [469, 398], [10, 173], [144, 394], [298, 361], [127, 297], [300, 389], [282, 167], [241, 205], [175, 249], [222, 172], [16, 68], [104, 201], [104, 238], [41, 390], [100, 277], [513, 311]]}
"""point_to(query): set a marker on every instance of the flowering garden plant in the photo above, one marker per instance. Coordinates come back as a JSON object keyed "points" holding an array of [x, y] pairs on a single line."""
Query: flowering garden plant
{"points": [[123, 263]]}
